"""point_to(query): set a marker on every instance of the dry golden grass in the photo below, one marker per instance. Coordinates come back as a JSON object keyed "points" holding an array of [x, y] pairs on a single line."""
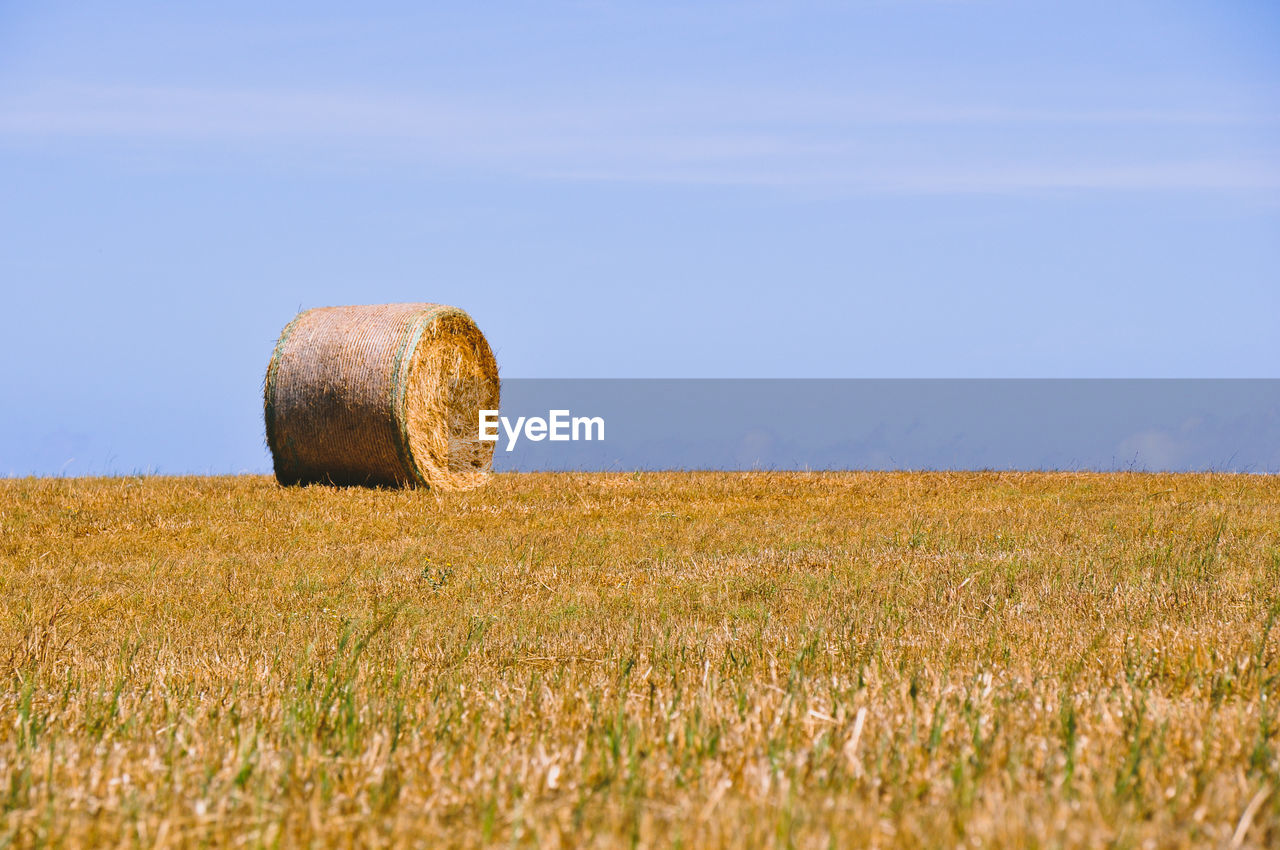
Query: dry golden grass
{"points": [[706, 660]]}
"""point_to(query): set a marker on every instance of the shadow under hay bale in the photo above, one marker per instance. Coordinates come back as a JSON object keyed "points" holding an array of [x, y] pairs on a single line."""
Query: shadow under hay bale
{"points": [[381, 395]]}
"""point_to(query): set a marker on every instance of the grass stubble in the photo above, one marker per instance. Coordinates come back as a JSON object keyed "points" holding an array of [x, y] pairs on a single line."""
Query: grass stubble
{"points": [[656, 659]]}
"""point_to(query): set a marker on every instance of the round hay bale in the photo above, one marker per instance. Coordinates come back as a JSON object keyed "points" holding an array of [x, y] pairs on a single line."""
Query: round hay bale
{"points": [[382, 395]]}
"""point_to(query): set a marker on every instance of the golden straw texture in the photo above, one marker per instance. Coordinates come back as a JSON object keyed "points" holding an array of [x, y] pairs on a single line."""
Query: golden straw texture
{"points": [[382, 395]]}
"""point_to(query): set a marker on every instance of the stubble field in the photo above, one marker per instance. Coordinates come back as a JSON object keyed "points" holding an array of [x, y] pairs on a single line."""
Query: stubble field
{"points": [[656, 659]]}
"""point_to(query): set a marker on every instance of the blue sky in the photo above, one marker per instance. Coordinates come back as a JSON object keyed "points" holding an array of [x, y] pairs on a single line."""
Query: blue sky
{"points": [[790, 189]]}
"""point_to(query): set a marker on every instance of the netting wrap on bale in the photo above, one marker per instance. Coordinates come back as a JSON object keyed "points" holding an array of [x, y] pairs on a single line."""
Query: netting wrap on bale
{"points": [[384, 395]]}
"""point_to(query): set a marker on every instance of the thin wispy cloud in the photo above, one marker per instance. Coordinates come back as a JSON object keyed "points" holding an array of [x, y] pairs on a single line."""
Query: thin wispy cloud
{"points": [[1190, 176], [871, 144], [65, 108]]}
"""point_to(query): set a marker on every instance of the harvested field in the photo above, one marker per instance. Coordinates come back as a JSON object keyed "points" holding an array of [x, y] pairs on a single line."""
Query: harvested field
{"points": [[703, 659]]}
